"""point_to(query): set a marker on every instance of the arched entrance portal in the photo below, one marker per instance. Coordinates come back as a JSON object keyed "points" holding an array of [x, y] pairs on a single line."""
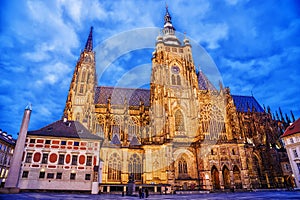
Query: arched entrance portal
{"points": [[237, 177], [226, 177], [215, 178], [256, 172]]}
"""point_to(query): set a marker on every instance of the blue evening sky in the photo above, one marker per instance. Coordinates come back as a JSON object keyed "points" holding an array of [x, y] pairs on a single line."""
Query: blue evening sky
{"points": [[255, 45]]}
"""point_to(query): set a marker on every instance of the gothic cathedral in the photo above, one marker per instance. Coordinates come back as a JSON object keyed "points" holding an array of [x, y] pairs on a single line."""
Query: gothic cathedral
{"points": [[182, 133]]}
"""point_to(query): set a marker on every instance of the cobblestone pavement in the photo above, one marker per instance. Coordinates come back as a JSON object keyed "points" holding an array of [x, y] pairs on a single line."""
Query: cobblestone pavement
{"points": [[212, 196]]}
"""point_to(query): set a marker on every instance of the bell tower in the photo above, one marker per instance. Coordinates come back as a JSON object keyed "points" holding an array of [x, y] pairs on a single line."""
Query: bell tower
{"points": [[173, 87], [80, 100]]}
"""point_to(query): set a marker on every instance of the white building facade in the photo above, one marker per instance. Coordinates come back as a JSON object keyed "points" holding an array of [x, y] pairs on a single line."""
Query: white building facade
{"points": [[291, 139], [61, 156]]}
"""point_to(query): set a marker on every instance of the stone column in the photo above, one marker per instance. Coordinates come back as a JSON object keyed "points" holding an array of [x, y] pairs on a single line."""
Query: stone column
{"points": [[15, 166]]}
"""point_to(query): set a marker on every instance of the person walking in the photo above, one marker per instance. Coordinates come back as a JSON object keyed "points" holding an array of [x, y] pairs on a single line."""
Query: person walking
{"points": [[140, 193], [143, 193], [147, 192]]}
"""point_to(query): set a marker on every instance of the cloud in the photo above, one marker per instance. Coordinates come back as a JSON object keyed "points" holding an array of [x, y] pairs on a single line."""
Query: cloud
{"points": [[80, 11], [254, 44]]}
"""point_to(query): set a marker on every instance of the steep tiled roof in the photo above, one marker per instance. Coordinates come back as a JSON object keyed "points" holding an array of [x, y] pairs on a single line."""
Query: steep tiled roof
{"points": [[203, 82], [292, 129], [242, 103], [69, 129], [133, 97], [118, 95]]}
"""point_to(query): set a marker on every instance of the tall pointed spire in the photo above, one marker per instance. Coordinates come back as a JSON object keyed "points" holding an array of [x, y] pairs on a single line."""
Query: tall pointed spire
{"points": [[293, 117], [168, 26], [169, 36], [282, 119], [167, 16], [89, 42]]}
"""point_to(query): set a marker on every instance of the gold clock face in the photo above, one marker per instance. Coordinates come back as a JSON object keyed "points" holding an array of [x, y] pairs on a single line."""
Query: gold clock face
{"points": [[175, 69]]}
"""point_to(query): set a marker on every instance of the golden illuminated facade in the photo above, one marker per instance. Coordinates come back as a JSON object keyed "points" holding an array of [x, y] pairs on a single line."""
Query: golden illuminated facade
{"points": [[183, 133]]}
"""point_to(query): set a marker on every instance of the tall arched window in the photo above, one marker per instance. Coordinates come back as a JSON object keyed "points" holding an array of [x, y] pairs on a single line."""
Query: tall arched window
{"points": [[155, 170], [182, 167], [100, 126], [116, 126], [81, 89], [83, 76], [173, 80], [178, 80], [135, 167], [114, 167], [133, 128], [179, 121]]}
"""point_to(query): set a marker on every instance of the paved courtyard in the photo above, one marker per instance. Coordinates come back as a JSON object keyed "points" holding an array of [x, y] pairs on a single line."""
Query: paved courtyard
{"points": [[211, 196]]}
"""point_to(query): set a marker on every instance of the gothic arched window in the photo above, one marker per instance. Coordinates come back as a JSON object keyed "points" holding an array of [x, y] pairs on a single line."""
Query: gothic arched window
{"points": [[155, 170], [182, 167], [173, 80], [135, 167], [114, 167], [116, 126], [179, 121], [83, 76], [178, 80], [100, 126], [81, 90], [133, 128]]}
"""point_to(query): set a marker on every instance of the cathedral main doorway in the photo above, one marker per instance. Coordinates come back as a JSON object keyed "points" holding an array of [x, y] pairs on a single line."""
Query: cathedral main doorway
{"points": [[226, 177], [237, 177], [215, 178]]}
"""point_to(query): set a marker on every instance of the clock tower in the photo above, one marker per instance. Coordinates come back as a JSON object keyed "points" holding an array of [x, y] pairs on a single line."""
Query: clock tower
{"points": [[173, 88]]}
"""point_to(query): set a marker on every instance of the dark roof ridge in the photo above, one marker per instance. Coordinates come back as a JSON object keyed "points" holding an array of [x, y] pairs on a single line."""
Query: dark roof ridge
{"points": [[67, 129], [242, 95], [126, 88]]}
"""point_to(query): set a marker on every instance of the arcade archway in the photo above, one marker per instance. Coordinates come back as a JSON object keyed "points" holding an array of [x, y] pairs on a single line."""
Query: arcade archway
{"points": [[215, 178]]}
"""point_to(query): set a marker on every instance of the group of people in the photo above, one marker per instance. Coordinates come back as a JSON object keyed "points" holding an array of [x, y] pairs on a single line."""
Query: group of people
{"points": [[143, 192]]}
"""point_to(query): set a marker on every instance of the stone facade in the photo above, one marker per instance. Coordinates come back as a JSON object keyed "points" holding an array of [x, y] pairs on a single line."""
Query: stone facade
{"points": [[7, 145], [182, 133]]}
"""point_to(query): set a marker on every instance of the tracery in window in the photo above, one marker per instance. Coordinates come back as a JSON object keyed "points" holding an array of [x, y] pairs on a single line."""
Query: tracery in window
{"points": [[173, 80], [116, 126], [135, 167], [179, 121], [114, 167], [133, 128], [212, 121], [182, 166], [155, 167], [100, 126], [178, 80]]}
